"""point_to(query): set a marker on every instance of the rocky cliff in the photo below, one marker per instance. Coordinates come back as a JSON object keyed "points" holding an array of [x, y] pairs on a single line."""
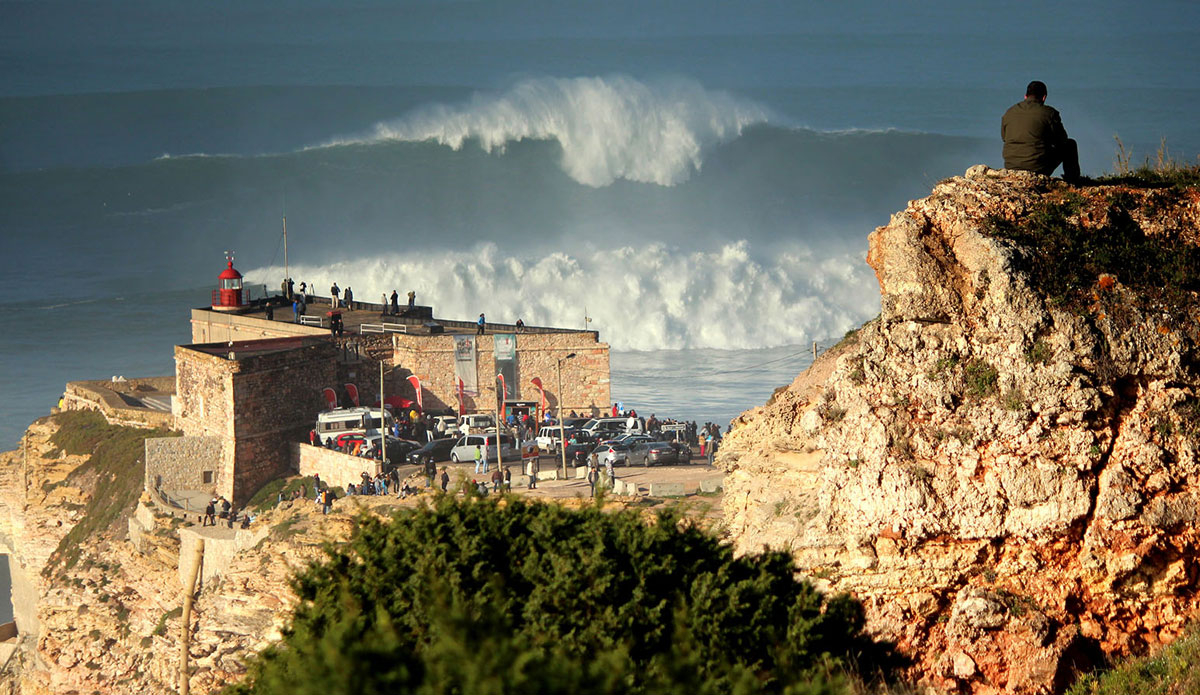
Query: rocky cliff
{"points": [[102, 614], [1004, 464]]}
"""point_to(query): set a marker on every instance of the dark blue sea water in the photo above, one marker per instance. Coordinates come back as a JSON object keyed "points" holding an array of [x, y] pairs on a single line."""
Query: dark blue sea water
{"points": [[699, 178]]}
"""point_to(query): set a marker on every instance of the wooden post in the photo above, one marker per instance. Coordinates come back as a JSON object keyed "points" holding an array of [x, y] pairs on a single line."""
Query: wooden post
{"points": [[186, 629]]}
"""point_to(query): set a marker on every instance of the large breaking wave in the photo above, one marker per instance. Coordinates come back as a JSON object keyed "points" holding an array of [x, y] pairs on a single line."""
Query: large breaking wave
{"points": [[642, 299], [609, 128]]}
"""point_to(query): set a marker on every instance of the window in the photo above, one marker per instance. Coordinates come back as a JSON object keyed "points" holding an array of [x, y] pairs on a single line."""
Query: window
{"points": [[207, 476]]}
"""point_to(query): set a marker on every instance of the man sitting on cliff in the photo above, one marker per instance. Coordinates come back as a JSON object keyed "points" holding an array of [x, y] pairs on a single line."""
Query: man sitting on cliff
{"points": [[1034, 137]]}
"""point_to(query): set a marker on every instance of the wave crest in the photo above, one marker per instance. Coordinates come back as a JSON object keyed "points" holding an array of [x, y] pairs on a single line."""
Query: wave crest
{"points": [[609, 128], [650, 298]]}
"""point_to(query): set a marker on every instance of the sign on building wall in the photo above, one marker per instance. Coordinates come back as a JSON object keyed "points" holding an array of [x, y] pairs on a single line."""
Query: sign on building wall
{"points": [[505, 352], [464, 364]]}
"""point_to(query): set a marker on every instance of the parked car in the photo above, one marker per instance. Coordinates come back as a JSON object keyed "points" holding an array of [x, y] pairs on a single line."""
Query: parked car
{"points": [[438, 450], [547, 438], [464, 449], [648, 451], [476, 423], [449, 422], [584, 443], [614, 425], [616, 451], [397, 449]]}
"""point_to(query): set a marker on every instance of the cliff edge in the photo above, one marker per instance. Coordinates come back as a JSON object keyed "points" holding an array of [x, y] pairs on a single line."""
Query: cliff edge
{"points": [[1004, 465]]}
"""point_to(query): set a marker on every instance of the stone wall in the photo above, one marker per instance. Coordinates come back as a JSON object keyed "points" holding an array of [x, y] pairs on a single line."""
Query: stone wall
{"points": [[221, 546], [92, 395], [183, 463], [257, 403], [217, 327], [585, 378], [334, 467]]}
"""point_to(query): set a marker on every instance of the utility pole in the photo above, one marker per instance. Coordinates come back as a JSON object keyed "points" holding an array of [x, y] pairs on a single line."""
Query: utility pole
{"points": [[562, 437], [186, 634], [382, 417]]}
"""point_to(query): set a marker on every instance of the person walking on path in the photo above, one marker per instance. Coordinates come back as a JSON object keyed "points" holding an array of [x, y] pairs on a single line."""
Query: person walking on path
{"points": [[333, 295], [445, 478], [507, 479], [593, 478], [210, 513], [1035, 139], [608, 470], [497, 480], [348, 297], [479, 324], [412, 299], [534, 465], [478, 459], [395, 303]]}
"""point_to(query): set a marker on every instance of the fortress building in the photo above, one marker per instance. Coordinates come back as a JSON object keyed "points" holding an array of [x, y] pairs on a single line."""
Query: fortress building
{"points": [[249, 386]]}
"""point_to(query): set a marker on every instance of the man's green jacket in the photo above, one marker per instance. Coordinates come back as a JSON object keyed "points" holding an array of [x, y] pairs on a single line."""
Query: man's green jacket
{"points": [[1032, 132]]}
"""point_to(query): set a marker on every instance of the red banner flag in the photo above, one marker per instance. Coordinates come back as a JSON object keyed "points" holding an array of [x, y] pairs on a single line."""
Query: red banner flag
{"points": [[416, 384], [503, 394], [461, 398], [330, 397], [537, 381], [352, 391]]}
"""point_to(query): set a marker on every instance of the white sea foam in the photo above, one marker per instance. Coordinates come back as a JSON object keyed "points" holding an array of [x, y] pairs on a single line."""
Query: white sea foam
{"points": [[639, 299], [609, 128]]}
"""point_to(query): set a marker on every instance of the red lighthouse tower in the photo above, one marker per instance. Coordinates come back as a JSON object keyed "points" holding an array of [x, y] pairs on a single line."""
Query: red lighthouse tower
{"points": [[228, 295]]}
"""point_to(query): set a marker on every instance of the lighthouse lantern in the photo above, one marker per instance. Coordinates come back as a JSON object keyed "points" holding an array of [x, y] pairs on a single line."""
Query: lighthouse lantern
{"points": [[228, 295]]}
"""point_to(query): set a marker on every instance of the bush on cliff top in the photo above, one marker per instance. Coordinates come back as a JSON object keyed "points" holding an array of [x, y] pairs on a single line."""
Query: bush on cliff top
{"points": [[1172, 671], [487, 596], [1066, 259], [115, 461]]}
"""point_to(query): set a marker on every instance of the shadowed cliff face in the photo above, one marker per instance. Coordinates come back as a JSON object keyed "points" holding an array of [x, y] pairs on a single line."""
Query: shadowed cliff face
{"points": [[1003, 466]]}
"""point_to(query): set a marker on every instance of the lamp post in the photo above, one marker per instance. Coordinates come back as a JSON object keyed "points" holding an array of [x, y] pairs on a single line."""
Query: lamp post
{"points": [[562, 437]]}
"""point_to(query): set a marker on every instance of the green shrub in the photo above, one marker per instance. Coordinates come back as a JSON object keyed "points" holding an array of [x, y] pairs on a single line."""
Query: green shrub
{"points": [[1039, 353], [1172, 671], [116, 461], [490, 596], [981, 378]]}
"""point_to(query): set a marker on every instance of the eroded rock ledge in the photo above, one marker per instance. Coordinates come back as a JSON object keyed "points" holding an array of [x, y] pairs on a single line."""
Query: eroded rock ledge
{"points": [[1006, 476]]}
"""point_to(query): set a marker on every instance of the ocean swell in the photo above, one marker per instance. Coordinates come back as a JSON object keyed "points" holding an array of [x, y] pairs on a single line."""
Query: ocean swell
{"points": [[655, 297], [609, 128]]}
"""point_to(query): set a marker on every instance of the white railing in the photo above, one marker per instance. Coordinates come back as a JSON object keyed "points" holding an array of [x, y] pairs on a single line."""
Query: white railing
{"points": [[382, 328], [313, 321]]}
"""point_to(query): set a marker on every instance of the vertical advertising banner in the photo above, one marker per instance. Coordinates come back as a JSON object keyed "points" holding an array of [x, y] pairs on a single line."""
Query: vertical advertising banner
{"points": [[464, 364], [505, 352]]}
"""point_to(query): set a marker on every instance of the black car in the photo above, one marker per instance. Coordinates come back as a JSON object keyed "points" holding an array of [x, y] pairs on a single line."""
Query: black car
{"points": [[437, 450]]}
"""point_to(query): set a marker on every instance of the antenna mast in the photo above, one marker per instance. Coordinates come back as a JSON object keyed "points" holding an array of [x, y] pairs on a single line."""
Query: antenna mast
{"points": [[286, 273]]}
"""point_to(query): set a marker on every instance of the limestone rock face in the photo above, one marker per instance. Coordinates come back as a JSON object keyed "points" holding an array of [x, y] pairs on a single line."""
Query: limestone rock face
{"points": [[1008, 481], [111, 623]]}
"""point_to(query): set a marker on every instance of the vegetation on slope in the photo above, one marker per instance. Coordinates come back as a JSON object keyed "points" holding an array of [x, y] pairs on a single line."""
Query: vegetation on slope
{"points": [[506, 596], [116, 464], [1067, 258], [1174, 670]]}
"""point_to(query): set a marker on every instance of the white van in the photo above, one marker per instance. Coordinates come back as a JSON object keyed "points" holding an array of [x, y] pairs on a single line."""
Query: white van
{"points": [[476, 423], [614, 426], [362, 420], [464, 448]]}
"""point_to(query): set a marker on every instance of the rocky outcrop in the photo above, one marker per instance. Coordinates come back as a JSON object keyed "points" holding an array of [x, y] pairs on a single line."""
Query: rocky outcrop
{"points": [[1004, 465], [110, 623]]}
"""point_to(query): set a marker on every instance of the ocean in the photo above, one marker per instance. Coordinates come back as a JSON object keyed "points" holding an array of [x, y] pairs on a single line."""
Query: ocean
{"points": [[698, 179]]}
